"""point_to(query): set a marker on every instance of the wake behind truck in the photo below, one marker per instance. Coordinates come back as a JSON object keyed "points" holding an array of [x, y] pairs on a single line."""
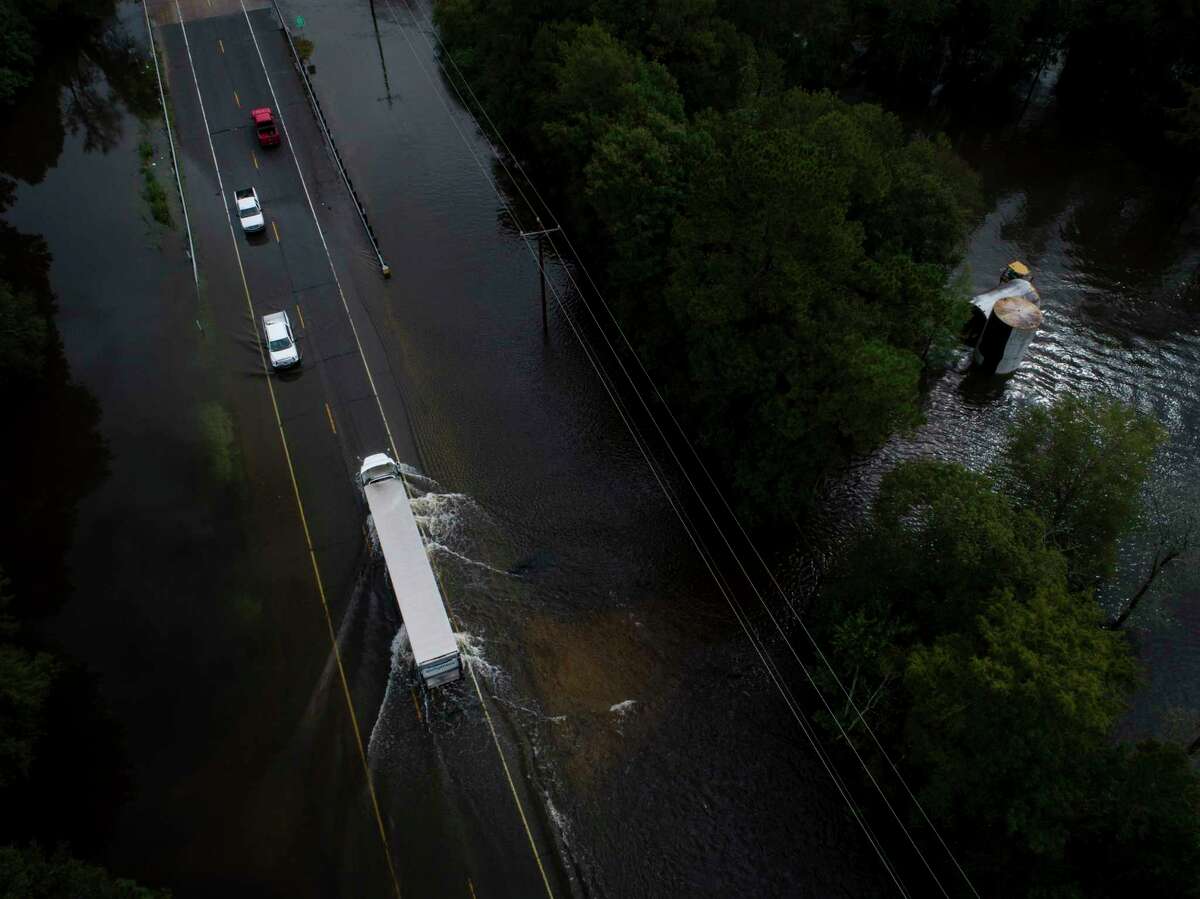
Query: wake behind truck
{"points": [[435, 650]]}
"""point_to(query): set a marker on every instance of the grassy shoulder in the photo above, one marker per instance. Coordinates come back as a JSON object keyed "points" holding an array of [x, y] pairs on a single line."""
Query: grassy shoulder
{"points": [[152, 190]]}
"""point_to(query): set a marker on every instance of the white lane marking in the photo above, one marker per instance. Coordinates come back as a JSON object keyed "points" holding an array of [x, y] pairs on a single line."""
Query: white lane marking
{"points": [[367, 368]]}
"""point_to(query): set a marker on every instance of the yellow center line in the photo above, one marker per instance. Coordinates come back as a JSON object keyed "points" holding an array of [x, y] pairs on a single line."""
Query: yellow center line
{"points": [[471, 887], [254, 159], [312, 553], [220, 43], [416, 705], [237, 100], [275, 228], [329, 412], [301, 315], [287, 457]]}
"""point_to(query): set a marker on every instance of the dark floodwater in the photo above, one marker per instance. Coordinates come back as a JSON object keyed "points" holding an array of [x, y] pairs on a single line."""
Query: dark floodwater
{"points": [[665, 761], [1114, 245]]}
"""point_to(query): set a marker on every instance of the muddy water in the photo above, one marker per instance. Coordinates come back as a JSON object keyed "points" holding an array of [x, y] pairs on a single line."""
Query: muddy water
{"points": [[666, 763]]}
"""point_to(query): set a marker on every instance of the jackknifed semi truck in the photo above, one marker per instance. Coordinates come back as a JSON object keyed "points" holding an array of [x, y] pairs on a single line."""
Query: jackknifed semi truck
{"points": [[434, 648]]}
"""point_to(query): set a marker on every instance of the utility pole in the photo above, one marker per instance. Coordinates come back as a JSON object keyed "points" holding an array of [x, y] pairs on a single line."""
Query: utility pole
{"points": [[539, 234], [387, 88]]}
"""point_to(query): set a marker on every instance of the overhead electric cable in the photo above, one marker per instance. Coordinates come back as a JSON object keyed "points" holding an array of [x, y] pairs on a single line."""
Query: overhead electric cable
{"points": [[859, 715], [738, 613]]}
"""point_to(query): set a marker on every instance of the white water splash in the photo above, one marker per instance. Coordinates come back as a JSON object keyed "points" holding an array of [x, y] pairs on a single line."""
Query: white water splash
{"points": [[414, 474], [622, 708], [471, 648], [398, 680], [561, 824], [440, 514], [434, 547]]}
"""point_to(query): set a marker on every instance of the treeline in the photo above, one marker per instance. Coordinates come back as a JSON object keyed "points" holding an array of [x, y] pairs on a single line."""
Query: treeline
{"points": [[780, 258], [31, 28], [973, 646], [61, 769], [56, 760]]}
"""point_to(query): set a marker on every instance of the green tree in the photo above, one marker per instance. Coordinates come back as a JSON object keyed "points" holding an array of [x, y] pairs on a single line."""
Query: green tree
{"points": [[813, 41], [1129, 63], [800, 307], [715, 65], [18, 52], [943, 540], [25, 681], [1080, 466], [1006, 722], [617, 123], [24, 336], [1141, 834], [32, 874], [599, 81]]}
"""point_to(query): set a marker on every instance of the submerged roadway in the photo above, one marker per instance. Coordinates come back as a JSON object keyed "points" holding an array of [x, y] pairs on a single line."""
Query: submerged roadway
{"points": [[460, 819]]}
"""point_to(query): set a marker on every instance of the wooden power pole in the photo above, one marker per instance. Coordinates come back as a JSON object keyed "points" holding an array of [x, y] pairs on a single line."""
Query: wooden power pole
{"points": [[540, 234]]}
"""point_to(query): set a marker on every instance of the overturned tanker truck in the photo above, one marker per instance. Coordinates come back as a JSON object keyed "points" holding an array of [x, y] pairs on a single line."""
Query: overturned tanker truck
{"points": [[435, 651]]}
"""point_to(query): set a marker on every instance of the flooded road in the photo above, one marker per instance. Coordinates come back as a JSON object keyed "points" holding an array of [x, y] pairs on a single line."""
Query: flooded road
{"points": [[660, 759]]}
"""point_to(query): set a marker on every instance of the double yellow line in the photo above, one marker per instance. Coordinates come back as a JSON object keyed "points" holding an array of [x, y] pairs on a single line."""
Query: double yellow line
{"points": [[287, 455]]}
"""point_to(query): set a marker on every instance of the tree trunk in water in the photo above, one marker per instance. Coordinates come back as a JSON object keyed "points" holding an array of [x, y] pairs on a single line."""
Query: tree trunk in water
{"points": [[1155, 570]]}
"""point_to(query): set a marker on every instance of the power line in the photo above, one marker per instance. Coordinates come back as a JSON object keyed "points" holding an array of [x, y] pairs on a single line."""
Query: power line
{"points": [[859, 716], [629, 425], [739, 614]]}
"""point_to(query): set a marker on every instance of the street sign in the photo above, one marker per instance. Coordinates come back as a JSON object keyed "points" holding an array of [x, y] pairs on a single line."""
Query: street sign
{"points": [[299, 21]]}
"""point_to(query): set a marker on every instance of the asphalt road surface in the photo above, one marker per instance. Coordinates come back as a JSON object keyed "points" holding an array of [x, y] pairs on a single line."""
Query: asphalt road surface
{"points": [[459, 818]]}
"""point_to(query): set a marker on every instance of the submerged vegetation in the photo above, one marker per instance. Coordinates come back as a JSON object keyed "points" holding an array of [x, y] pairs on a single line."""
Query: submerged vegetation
{"points": [[152, 189], [781, 258], [783, 261], [975, 646]]}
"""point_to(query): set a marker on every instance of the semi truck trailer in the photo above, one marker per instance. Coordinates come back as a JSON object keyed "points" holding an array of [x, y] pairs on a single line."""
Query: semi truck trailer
{"points": [[435, 651]]}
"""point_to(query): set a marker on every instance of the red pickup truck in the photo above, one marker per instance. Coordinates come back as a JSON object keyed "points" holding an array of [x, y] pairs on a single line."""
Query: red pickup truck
{"points": [[264, 126]]}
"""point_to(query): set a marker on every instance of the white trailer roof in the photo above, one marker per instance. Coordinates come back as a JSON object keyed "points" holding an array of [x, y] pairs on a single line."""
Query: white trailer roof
{"points": [[1018, 287], [408, 565]]}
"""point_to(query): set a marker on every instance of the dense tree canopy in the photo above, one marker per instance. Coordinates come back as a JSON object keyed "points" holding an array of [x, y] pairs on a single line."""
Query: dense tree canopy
{"points": [[32, 874], [25, 24], [1002, 718], [964, 645], [24, 336], [1080, 466], [1140, 836], [781, 260], [949, 543]]}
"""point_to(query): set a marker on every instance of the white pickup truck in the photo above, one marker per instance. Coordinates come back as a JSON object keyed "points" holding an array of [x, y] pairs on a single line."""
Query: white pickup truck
{"points": [[249, 210], [281, 342]]}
